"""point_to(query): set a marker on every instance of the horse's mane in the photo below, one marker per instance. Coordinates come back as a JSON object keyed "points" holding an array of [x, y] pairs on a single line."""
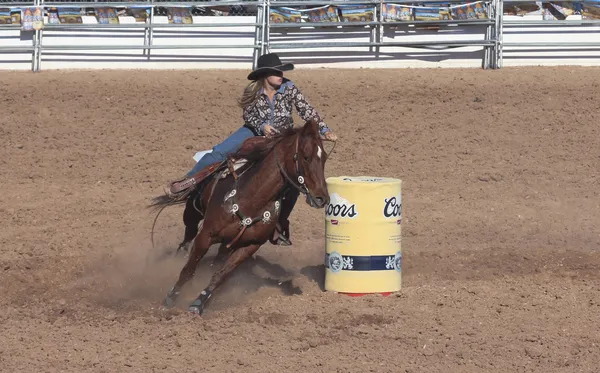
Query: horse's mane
{"points": [[257, 148]]}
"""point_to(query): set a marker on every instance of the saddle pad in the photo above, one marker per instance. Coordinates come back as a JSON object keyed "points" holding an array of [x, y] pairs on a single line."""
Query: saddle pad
{"points": [[237, 164]]}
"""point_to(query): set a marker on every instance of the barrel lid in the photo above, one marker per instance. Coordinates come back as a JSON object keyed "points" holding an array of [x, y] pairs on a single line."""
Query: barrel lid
{"points": [[362, 179]]}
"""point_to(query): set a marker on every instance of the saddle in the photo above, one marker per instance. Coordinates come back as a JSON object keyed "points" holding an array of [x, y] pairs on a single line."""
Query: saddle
{"points": [[181, 187]]}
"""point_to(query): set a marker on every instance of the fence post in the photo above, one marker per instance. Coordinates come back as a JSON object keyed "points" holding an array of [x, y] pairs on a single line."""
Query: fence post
{"points": [[34, 42], [258, 32], [500, 33], [149, 31], [267, 28]]}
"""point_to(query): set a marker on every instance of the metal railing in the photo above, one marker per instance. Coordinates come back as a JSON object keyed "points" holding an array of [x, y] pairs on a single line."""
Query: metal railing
{"points": [[490, 42], [31, 48], [533, 24], [372, 34], [150, 27]]}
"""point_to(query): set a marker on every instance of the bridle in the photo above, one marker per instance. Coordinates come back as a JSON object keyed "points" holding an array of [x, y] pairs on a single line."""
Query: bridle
{"points": [[301, 186]]}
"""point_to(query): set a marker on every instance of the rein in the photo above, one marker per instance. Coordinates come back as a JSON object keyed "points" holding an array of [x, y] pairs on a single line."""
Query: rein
{"points": [[302, 188], [331, 151]]}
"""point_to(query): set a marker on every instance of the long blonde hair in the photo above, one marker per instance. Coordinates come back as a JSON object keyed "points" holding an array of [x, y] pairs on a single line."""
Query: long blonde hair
{"points": [[250, 93]]}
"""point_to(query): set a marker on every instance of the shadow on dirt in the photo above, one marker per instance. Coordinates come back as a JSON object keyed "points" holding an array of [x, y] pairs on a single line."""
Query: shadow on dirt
{"points": [[316, 273], [250, 277]]}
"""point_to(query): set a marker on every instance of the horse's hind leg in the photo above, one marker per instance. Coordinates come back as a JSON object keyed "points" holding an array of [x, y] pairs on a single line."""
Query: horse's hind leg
{"points": [[200, 248], [234, 260], [191, 220], [221, 255]]}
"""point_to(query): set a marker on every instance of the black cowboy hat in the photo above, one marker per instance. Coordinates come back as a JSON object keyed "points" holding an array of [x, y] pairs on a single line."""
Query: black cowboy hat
{"points": [[269, 63]]}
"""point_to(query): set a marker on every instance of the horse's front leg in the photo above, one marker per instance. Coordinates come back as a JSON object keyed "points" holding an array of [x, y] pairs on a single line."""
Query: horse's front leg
{"points": [[200, 248], [234, 260]]}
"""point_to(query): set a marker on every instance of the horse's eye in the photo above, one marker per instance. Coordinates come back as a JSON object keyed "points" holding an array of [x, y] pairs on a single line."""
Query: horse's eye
{"points": [[306, 158]]}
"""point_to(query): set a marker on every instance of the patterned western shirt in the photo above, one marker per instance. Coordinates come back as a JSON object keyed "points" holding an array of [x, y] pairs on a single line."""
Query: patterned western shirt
{"points": [[278, 113]]}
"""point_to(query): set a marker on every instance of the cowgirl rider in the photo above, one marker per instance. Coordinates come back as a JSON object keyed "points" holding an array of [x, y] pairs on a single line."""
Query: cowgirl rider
{"points": [[267, 109]]}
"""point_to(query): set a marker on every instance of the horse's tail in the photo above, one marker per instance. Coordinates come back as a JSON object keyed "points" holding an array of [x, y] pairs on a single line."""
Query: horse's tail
{"points": [[161, 202], [165, 200]]}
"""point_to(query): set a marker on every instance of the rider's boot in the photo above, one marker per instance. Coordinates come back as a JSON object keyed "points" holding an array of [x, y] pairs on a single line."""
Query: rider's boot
{"points": [[281, 236]]}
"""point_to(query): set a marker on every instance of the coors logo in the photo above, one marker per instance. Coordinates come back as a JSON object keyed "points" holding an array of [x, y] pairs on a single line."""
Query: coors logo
{"points": [[392, 207], [340, 208]]}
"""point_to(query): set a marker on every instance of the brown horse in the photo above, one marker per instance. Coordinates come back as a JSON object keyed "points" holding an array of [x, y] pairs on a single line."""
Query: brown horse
{"points": [[241, 206]]}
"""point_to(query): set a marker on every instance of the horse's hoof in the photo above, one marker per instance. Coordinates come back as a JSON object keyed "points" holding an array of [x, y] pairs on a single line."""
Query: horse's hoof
{"points": [[185, 254], [171, 298], [196, 310], [168, 303], [183, 248], [197, 306]]}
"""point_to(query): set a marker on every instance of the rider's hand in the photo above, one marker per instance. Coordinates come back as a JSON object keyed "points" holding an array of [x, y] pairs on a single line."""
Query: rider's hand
{"points": [[330, 136], [269, 130]]}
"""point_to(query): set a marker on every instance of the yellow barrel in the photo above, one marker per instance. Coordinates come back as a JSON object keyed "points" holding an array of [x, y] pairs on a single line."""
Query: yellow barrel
{"points": [[363, 235]]}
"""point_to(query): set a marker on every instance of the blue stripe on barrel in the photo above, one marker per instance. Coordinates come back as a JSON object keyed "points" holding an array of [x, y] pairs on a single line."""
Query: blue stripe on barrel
{"points": [[337, 262]]}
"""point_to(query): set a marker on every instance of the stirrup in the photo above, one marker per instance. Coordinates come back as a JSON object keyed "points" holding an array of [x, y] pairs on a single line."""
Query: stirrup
{"points": [[183, 186]]}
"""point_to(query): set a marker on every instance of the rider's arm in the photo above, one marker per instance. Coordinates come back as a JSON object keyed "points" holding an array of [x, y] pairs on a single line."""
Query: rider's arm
{"points": [[255, 118], [306, 111]]}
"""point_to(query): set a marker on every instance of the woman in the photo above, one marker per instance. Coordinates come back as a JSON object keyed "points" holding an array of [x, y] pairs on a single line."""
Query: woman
{"points": [[267, 109]]}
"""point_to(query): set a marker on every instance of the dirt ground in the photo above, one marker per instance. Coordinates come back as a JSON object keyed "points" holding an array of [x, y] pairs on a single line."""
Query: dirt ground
{"points": [[500, 228]]}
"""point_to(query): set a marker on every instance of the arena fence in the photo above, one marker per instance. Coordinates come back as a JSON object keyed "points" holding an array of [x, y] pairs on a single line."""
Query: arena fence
{"points": [[375, 26], [569, 20], [380, 19]]}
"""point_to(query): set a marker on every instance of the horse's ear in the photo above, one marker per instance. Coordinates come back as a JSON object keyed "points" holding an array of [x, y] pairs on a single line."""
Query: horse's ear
{"points": [[311, 128]]}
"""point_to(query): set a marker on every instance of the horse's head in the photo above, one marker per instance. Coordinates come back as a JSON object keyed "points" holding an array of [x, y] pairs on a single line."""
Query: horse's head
{"points": [[310, 158]]}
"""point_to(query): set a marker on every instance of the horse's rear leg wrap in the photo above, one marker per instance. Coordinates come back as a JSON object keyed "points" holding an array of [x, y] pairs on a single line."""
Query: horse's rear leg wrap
{"points": [[234, 260], [282, 233]]}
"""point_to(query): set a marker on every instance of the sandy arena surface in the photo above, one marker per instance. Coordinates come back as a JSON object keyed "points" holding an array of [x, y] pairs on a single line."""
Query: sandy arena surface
{"points": [[500, 228]]}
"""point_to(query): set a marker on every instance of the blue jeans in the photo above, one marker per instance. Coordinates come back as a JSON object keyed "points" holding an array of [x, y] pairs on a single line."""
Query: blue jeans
{"points": [[219, 152]]}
